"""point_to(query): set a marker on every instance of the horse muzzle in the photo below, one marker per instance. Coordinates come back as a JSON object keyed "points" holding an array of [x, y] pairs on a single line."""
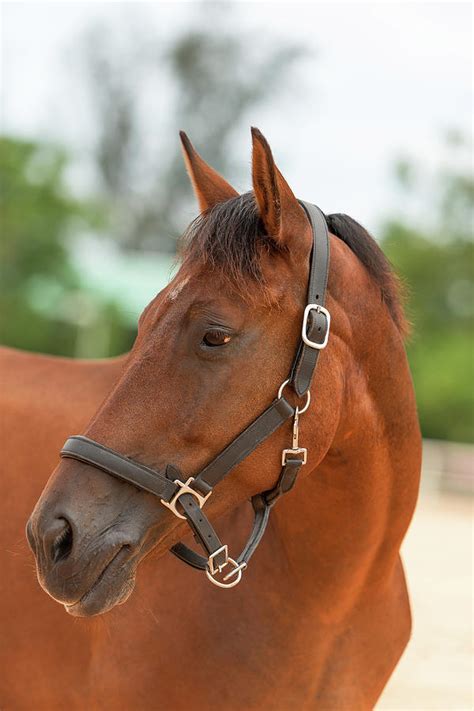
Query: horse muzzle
{"points": [[88, 535]]}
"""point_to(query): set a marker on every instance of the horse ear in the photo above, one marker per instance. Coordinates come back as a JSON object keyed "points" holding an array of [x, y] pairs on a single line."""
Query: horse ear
{"points": [[210, 188], [282, 215]]}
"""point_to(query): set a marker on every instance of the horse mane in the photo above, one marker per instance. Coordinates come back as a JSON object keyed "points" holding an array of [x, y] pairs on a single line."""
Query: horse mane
{"points": [[230, 236], [366, 249]]}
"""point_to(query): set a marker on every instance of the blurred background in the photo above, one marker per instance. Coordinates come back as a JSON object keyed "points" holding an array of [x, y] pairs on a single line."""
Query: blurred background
{"points": [[368, 110]]}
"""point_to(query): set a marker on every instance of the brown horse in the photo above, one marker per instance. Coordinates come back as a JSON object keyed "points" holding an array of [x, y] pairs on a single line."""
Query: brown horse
{"points": [[41, 398], [322, 615]]}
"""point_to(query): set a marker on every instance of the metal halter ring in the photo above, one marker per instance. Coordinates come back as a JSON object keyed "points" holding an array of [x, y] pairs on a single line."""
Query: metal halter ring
{"points": [[213, 568], [308, 397]]}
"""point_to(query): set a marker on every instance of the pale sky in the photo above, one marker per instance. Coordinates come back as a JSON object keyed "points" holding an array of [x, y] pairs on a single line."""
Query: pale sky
{"points": [[386, 79]]}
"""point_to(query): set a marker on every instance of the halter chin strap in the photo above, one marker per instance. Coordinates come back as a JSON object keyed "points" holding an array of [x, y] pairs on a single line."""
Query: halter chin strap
{"points": [[172, 487]]}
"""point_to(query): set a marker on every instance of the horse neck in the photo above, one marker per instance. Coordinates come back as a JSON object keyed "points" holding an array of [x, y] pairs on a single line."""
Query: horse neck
{"points": [[341, 527]]}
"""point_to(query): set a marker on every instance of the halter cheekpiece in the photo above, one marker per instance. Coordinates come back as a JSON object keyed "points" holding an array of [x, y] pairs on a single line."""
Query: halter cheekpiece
{"points": [[172, 487]]}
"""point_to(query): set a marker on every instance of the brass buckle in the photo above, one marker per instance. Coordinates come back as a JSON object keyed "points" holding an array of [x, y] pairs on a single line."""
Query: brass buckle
{"points": [[185, 488]]}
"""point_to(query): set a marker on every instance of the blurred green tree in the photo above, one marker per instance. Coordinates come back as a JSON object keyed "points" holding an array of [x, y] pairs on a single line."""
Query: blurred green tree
{"points": [[42, 306], [435, 258], [34, 217], [204, 80]]}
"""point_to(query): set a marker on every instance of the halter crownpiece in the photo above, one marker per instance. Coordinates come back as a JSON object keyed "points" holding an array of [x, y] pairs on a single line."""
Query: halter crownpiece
{"points": [[172, 487]]}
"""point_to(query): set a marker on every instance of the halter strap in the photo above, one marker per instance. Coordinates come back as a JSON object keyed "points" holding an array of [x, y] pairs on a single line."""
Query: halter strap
{"points": [[170, 485], [316, 319]]}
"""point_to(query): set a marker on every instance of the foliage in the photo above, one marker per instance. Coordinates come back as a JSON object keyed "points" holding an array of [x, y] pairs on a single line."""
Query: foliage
{"points": [[40, 296], [213, 74], [35, 215], [436, 261]]}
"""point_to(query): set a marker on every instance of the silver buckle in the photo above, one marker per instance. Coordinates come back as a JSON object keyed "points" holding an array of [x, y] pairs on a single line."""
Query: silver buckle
{"points": [[321, 310], [214, 568], [296, 450], [185, 488]]}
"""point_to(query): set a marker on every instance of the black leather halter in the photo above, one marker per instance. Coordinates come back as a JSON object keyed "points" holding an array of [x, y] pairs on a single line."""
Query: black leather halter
{"points": [[170, 485]]}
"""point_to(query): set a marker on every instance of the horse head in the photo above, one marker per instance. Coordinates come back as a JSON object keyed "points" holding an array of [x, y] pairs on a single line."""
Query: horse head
{"points": [[211, 352]]}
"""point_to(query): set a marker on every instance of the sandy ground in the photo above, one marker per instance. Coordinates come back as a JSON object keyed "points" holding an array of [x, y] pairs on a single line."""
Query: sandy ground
{"points": [[436, 670]]}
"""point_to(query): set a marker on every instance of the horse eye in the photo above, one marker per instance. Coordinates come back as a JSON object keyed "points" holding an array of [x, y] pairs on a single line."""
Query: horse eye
{"points": [[215, 338]]}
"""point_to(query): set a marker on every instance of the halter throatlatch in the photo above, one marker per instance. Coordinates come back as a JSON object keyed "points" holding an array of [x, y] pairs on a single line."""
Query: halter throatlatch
{"points": [[191, 493]]}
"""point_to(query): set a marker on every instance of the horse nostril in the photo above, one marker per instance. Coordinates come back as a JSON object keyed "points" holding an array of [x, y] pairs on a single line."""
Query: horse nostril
{"points": [[61, 545]]}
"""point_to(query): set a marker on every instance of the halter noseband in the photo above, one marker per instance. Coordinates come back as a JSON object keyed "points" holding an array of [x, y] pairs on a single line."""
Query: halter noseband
{"points": [[170, 485]]}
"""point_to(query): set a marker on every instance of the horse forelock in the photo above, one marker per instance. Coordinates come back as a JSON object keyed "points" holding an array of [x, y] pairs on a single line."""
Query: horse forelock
{"points": [[230, 238]]}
